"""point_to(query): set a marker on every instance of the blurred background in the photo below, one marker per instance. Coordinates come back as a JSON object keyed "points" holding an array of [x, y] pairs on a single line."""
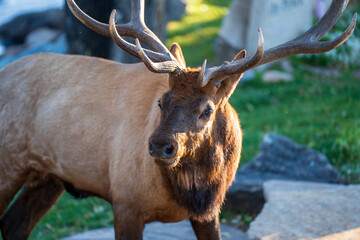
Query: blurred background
{"points": [[311, 99]]}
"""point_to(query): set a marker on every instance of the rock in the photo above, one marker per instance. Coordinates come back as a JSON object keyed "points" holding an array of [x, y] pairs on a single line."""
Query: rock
{"points": [[175, 9], [161, 231], [279, 20], [224, 51], [281, 159], [273, 76], [286, 65], [2, 49], [42, 36], [56, 47], [323, 72], [352, 234], [14, 50], [15, 31], [298, 210]]}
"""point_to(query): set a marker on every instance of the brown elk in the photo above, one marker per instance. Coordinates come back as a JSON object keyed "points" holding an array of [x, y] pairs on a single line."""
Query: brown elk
{"points": [[89, 124]]}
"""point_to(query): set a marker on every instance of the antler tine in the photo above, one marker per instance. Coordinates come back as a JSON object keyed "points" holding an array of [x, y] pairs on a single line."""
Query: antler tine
{"points": [[329, 19], [160, 67], [128, 47], [91, 23], [236, 67], [306, 43], [137, 12], [136, 29], [309, 41], [201, 77], [241, 65]]}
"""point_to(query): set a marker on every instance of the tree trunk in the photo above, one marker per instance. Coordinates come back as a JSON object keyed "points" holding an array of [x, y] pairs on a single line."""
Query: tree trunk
{"points": [[155, 19], [82, 40]]}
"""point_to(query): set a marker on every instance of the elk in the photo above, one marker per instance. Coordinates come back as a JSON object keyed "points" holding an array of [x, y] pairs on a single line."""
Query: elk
{"points": [[159, 141]]}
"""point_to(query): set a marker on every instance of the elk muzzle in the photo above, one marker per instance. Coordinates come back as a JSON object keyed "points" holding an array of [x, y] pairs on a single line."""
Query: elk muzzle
{"points": [[164, 151]]}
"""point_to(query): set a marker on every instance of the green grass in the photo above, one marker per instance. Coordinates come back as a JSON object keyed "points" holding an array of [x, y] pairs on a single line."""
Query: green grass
{"points": [[70, 216], [317, 112], [198, 29], [320, 113]]}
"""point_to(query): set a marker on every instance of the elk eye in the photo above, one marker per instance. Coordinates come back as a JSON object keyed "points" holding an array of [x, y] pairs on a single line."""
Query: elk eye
{"points": [[208, 112], [159, 104]]}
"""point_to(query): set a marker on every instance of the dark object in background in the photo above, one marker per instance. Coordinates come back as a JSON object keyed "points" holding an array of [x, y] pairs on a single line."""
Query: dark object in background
{"points": [[155, 19], [15, 31], [82, 40], [279, 158]]}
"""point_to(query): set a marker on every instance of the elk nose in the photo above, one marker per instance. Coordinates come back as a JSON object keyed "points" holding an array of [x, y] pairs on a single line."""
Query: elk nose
{"points": [[162, 150]]}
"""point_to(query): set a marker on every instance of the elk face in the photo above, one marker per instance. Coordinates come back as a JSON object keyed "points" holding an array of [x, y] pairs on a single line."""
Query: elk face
{"points": [[187, 115]]}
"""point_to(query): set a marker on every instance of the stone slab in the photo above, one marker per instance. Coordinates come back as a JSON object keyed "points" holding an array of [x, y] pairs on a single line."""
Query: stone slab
{"points": [[273, 187], [297, 210], [280, 20], [353, 234], [280, 158], [161, 231]]}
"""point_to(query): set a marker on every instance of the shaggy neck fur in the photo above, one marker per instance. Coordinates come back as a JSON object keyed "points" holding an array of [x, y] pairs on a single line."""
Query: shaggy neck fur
{"points": [[200, 185]]}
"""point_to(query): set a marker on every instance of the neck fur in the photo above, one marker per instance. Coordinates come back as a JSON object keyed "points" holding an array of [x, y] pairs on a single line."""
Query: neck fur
{"points": [[200, 187]]}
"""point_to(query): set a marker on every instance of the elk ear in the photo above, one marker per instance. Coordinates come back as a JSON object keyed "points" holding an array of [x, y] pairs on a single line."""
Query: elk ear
{"points": [[228, 85], [240, 55], [178, 54]]}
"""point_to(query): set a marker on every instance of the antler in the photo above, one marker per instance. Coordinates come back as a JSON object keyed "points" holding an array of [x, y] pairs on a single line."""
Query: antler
{"points": [[238, 66], [306, 43], [136, 28]]}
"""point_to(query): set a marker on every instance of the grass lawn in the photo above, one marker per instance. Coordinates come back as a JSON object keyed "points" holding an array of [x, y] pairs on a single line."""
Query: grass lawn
{"points": [[322, 113]]}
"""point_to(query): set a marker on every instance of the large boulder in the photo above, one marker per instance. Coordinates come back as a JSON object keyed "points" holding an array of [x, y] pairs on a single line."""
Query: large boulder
{"points": [[15, 31], [58, 46], [279, 158], [42, 36], [302, 210], [175, 9], [279, 20]]}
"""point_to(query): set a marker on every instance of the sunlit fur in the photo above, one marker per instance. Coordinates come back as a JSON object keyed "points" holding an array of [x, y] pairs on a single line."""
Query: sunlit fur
{"points": [[210, 148], [84, 124]]}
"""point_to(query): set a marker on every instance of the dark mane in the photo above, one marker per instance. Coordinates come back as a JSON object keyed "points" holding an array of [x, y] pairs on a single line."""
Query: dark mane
{"points": [[201, 187]]}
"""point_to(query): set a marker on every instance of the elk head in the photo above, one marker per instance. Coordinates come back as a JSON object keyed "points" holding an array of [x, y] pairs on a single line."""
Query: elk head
{"points": [[197, 97]]}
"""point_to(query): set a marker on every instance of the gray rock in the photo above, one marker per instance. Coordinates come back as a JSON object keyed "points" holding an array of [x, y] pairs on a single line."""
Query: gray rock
{"points": [[273, 187], [42, 36], [297, 210], [323, 72], [56, 47], [280, 21], [273, 76], [280, 159], [161, 231], [175, 9], [286, 65], [224, 51], [15, 31]]}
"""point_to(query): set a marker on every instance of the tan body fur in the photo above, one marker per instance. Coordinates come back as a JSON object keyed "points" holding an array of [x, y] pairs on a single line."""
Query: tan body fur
{"points": [[156, 146], [87, 122]]}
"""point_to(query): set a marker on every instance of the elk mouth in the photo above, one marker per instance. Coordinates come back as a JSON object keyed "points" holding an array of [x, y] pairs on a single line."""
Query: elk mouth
{"points": [[170, 163]]}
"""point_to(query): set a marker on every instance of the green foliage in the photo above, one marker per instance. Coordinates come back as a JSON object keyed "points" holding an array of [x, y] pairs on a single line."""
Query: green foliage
{"points": [[317, 112], [345, 57], [240, 220], [198, 29], [70, 216]]}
